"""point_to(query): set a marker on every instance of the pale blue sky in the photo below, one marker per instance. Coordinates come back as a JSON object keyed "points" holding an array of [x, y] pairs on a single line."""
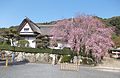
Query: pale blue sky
{"points": [[12, 12]]}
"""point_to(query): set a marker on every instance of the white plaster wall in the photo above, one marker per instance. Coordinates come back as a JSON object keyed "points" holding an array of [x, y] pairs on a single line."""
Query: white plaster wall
{"points": [[28, 38], [61, 46], [26, 26], [31, 43], [67, 45], [29, 32]]}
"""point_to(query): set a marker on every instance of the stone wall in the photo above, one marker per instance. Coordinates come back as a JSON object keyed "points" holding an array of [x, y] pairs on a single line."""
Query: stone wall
{"points": [[38, 57], [31, 57], [34, 58]]}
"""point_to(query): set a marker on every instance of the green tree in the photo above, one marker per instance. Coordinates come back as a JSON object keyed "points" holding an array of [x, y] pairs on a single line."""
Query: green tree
{"points": [[114, 21], [23, 43], [11, 35], [42, 41], [116, 40]]}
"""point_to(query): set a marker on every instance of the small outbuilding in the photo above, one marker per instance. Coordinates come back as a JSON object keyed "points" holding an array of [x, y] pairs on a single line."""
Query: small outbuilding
{"points": [[115, 53]]}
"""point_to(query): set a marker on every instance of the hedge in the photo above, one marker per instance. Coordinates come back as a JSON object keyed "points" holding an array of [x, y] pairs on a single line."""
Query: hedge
{"points": [[66, 58], [64, 51]]}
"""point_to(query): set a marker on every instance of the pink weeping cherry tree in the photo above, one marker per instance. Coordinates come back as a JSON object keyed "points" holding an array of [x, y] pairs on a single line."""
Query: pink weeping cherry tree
{"points": [[87, 31]]}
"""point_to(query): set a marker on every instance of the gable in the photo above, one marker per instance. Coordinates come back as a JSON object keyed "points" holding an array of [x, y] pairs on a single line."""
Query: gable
{"points": [[28, 26], [26, 29]]}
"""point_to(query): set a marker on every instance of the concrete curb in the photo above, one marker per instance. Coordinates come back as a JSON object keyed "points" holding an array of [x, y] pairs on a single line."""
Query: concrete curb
{"points": [[109, 68]]}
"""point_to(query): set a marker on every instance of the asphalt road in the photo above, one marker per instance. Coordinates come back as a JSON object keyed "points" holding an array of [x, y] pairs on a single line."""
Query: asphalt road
{"points": [[50, 71]]}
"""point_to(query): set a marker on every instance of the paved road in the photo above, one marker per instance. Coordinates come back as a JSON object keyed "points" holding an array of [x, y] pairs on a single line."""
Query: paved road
{"points": [[50, 71]]}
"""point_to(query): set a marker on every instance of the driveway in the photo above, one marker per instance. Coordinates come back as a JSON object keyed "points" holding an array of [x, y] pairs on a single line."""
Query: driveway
{"points": [[31, 70]]}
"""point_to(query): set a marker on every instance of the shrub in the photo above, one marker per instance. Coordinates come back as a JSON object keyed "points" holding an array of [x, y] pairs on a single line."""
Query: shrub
{"points": [[1, 43], [36, 50], [66, 58], [7, 42], [23, 43], [86, 60]]}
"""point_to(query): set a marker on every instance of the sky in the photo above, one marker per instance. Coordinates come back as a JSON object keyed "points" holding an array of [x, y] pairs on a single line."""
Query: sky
{"points": [[12, 12]]}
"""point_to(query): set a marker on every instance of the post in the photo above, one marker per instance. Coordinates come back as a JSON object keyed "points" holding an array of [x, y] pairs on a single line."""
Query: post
{"points": [[6, 62]]}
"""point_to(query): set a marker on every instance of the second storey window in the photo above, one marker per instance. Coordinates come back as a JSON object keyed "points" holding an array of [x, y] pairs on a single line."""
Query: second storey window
{"points": [[26, 29]]}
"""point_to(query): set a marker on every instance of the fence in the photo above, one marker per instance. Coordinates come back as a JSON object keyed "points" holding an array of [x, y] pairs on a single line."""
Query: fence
{"points": [[68, 66]]}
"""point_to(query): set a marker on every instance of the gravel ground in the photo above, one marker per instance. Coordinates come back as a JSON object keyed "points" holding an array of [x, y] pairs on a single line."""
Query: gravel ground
{"points": [[110, 62], [32, 70]]}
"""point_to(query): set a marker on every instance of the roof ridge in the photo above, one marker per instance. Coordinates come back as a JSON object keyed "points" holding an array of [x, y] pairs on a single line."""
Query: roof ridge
{"points": [[31, 21]]}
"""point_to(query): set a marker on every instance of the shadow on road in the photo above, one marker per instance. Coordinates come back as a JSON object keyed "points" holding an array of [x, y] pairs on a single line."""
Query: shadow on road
{"points": [[2, 63]]}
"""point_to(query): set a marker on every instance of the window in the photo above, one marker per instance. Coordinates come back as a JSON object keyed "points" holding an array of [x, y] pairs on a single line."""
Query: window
{"points": [[26, 29]]}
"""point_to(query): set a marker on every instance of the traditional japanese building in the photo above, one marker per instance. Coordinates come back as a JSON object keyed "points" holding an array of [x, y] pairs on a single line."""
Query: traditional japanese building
{"points": [[30, 30]]}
